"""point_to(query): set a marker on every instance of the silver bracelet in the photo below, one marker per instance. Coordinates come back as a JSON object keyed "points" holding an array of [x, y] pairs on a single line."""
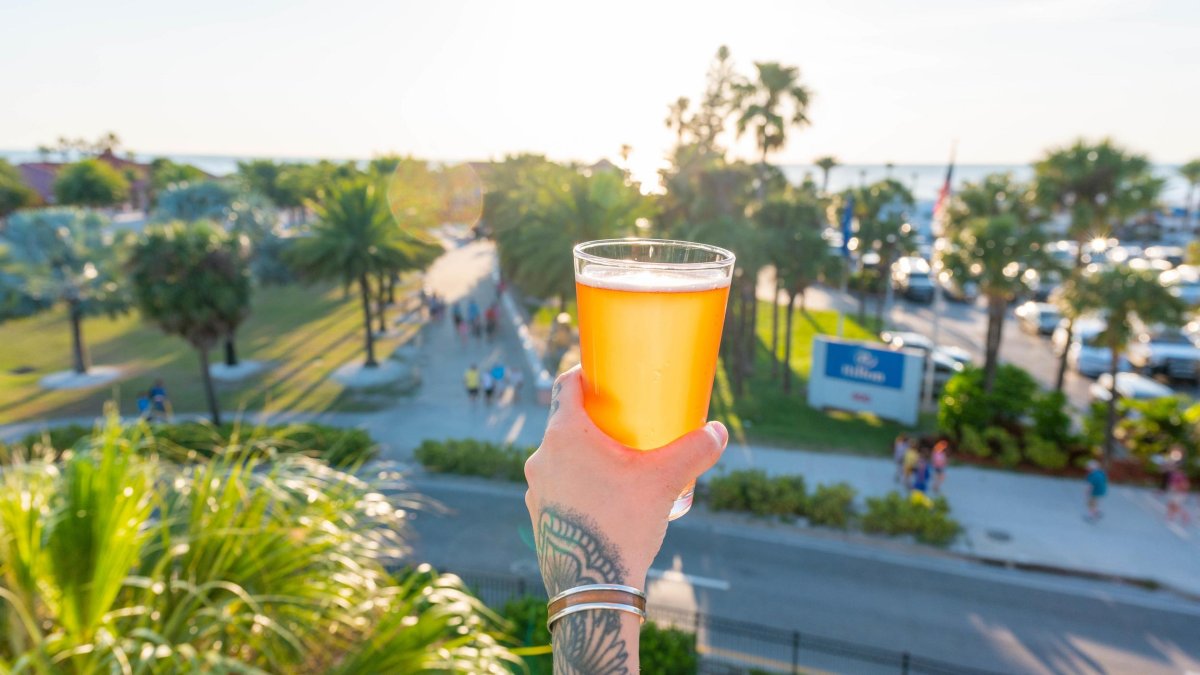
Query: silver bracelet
{"points": [[596, 596], [596, 587], [567, 611]]}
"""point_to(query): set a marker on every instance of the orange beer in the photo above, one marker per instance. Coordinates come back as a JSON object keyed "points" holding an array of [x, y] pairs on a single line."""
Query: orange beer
{"points": [[649, 331]]}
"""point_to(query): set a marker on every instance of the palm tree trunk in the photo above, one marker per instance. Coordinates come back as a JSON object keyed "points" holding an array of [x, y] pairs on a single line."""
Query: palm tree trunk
{"points": [[751, 343], [365, 291], [79, 358], [824, 181], [231, 358], [775, 328], [1111, 421], [1062, 359], [210, 394], [787, 345], [381, 303], [995, 329], [391, 294]]}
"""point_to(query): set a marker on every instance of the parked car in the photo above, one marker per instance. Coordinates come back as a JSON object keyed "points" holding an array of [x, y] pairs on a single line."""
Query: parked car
{"points": [[955, 291], [913, 278], [910, 340], [1184, 282], [1129, 385], [1172, 255], [1039, 318], [1042, 284], [1165, 351], [1086, 354]]}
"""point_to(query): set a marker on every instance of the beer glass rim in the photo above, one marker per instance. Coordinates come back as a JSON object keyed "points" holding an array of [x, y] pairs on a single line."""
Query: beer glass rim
{"points": [[724, 258]]}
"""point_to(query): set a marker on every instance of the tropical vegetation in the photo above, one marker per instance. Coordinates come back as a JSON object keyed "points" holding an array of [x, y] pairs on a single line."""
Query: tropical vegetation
{"points": [[90, 182]]}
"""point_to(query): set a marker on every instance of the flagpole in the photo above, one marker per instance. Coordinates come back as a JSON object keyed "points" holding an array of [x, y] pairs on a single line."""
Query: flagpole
{"points": [[938, 300]]}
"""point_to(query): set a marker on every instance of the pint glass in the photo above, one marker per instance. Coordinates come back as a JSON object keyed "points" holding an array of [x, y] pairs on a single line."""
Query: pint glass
{"points": [[650, 319]]}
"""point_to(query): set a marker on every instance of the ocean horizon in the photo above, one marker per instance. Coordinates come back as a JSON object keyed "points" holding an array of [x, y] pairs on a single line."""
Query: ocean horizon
{"points": [[923, 179]]}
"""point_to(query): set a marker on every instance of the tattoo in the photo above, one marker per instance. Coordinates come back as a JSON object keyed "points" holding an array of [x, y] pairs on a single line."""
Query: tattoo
{"points": [[554, 398], [572, 552]]}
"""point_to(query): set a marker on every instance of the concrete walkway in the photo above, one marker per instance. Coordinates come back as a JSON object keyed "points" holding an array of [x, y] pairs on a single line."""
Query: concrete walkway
{"points": [[1010, 517]]}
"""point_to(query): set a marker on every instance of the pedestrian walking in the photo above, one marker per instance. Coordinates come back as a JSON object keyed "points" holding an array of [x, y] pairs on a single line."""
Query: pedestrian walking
{"points": [[489, 387], [457, 315], [1097, 482], [160, 403], [911, 456], [498, 374], [920, 481], [471, 381], [145, 412], [899, 450], [491, 318], [939, 461], [1177, 492]]}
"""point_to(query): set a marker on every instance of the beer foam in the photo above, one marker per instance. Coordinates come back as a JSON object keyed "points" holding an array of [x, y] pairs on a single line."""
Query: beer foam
{"points": [[660, 281]]}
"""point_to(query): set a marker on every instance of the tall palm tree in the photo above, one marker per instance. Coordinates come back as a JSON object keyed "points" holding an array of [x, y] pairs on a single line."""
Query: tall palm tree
{"points": [[677, 118], [193, 281], [1097, 184], [1121, 294], [792, 227], [991, 238], [354, 239], [826, 164], [881, 210], [1191, 174], [770, 105], [66, 256]]}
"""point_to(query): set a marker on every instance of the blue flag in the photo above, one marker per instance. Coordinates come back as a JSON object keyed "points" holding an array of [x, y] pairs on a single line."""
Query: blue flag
{"points": [[847, 218]]}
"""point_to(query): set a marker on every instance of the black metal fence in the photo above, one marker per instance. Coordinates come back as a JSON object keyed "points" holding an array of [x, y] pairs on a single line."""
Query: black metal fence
{"points": [[727, 646]]}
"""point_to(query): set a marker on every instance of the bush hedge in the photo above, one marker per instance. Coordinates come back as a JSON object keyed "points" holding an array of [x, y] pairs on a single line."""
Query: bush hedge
{"points": [[195, 441], [895, 514], [753, 491], [470, 457], [831, 505]]}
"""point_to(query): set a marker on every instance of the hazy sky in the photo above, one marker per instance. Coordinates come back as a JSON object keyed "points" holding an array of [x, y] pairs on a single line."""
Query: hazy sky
{"points": [[894, 81]]}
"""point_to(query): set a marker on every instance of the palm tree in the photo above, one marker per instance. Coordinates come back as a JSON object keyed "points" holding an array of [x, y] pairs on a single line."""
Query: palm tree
{"points": [[826, 164], [1191, 174], [773, 103], [66, 256], [1120, 294], [881, 210], [991, 239], [193, 281], [792, 227], [677, 118], [1097, 185], [356, 238], [256, 560]]}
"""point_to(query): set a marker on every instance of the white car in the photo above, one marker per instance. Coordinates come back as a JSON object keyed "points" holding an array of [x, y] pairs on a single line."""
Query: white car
{"points": [[912, 278], [911, 340], [1164, 351], [1085, 353], [1184, 282], [1129, 385], [1039, 318]]}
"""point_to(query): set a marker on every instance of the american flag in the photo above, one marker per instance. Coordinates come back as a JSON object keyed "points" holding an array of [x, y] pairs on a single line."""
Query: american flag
{"points": [[943, 200]]}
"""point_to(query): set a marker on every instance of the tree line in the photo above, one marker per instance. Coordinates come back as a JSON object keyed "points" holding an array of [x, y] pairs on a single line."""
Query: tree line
{"points": [[193, 270]]}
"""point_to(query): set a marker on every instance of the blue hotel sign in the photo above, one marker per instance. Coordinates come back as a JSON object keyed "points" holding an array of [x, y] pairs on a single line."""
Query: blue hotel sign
{"points": [[857, 363]]}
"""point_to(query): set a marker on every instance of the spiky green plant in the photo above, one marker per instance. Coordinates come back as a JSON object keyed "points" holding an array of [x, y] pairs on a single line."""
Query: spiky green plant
{"points": [[114, 560]]}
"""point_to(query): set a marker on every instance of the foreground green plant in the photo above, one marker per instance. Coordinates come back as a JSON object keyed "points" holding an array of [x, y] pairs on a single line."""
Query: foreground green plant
{"points": [[115, 561]]}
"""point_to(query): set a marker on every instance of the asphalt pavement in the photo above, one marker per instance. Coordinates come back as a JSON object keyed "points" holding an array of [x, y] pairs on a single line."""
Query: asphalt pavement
{"points": [[936, 607]]}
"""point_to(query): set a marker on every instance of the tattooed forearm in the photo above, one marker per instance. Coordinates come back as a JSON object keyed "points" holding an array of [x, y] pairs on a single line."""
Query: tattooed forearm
{"points": [[571, 552]]}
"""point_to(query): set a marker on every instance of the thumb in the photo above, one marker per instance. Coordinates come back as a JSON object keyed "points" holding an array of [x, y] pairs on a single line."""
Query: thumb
{"points": [[688, 456]]}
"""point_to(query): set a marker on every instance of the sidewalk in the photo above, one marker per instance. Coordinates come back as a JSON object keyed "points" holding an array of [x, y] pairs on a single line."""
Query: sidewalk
{"points": [[1011, 517]]}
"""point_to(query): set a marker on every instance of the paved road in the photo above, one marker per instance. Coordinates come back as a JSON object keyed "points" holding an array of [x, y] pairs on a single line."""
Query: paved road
{"points": [[935, 607]]}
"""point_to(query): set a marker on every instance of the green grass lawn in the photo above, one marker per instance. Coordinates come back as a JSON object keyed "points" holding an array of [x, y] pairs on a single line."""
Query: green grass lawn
{"points": [[543, 317], [765, 414], [303, 334]]}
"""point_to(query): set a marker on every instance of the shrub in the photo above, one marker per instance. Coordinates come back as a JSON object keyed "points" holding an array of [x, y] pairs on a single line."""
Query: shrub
{"points": [[197, 441], [972, 442], [753, 491], [668, 651], [470, 457], [965, 404], [1050, 418], [894, 514], [1046, 453], [526, 617], [831, 505], [1004, 446]]}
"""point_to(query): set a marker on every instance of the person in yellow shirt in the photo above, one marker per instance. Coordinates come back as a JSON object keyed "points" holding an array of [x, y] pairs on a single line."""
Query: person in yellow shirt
{"points": [[471, 380], [910, 462]]}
